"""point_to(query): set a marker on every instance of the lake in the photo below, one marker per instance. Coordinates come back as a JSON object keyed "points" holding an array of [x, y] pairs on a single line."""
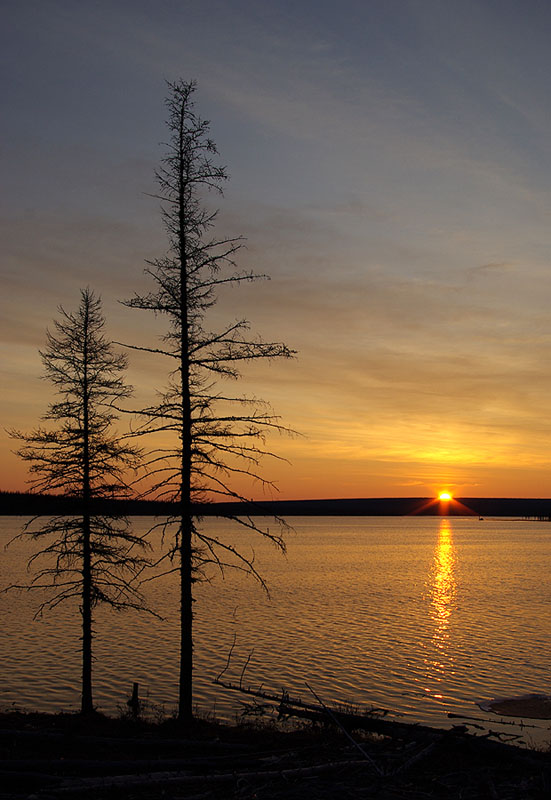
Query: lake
{"points": [[418, 615]]}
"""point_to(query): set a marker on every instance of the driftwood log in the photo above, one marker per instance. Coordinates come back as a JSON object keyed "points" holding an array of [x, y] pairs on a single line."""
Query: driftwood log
{"points": [[372, 720]]}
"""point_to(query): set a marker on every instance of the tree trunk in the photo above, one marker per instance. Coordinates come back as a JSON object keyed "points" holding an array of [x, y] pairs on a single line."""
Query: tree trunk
{"points": [[87, 705], [185, 698]]}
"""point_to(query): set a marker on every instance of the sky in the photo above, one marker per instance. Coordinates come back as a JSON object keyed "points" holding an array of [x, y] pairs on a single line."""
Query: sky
{"points": [[390, 168]]}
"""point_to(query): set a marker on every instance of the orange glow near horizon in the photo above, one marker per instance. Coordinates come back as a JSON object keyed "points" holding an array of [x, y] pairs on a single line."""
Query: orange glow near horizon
{"points": [[305, 475]]}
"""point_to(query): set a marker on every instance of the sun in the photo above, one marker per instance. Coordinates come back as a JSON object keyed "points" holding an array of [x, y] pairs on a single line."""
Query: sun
{"points": [[444, 497]]}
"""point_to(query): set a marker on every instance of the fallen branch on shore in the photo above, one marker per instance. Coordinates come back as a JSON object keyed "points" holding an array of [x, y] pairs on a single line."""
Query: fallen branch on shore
{"points": [[285, 704], [370, 720]]}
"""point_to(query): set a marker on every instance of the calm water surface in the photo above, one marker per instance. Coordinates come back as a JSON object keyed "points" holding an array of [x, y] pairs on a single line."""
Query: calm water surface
{"points": [[421, 616]]}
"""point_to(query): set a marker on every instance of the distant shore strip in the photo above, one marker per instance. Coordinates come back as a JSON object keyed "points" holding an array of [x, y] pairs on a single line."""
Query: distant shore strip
{"points": [[27, 504]]}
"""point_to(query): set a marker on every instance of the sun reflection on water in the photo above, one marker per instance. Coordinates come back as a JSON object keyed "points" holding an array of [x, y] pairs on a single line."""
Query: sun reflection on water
{"points": [[443, 585], [441, 592]]}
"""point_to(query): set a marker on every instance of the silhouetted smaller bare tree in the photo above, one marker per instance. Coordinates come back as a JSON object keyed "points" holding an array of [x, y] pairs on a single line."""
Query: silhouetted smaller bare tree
{"points": [[89, 556]]}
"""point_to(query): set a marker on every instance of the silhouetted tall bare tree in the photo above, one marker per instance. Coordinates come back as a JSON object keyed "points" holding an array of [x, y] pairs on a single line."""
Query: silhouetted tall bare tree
{"points": [[214, 436], [90, 556]]}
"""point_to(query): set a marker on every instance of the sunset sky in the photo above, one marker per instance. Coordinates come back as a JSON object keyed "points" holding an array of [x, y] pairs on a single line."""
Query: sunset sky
{"points": [[390, 167]]}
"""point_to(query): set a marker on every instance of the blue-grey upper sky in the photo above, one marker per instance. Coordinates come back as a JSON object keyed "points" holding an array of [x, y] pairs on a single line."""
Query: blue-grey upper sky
{"points": [[390, 167]]}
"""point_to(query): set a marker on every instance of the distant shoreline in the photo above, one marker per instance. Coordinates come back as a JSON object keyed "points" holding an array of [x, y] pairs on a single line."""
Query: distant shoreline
{"points": [[24, 504]]}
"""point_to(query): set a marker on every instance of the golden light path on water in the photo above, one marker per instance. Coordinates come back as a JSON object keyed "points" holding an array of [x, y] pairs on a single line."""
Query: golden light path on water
{"points": [[443, 590]]}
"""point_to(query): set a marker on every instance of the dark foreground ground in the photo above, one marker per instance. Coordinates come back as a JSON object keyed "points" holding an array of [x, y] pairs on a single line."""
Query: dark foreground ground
{"points": [[66, 756]]}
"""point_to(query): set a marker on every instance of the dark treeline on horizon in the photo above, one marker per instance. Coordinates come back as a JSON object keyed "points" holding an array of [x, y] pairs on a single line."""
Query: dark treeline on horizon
{"points": [[28, 504]]}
